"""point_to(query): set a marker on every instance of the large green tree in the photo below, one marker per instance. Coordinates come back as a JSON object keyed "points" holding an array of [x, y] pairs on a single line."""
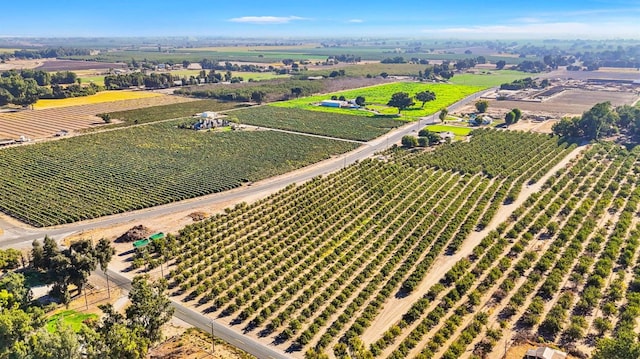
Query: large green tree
{"points": [[150, 307], [104, 251], [113, 337], [598, 121], [625, 346], [425, 96], [482, 106], [401, 101]]}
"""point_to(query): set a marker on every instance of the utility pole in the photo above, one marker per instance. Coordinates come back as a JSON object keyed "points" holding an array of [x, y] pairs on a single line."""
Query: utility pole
{"points": [[213, 340]]}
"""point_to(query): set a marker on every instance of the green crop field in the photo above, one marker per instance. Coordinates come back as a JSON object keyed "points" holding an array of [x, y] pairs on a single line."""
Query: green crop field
{"points": [[316, 266], [98, 80], [377, 97], [166, 112], [488, 78], [456, 130], [69, 317], [319, 123], [118, 171]]}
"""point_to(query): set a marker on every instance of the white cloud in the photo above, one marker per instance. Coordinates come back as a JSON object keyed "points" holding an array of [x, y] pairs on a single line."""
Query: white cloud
{"points": [[266, 19], [545, 29], [356, 21]]}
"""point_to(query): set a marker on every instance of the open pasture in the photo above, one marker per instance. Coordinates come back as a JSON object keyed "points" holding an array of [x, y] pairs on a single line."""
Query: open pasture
{"points": [[456, 130], [488, 78], [377, 97], [111, 172], [38, 124]]}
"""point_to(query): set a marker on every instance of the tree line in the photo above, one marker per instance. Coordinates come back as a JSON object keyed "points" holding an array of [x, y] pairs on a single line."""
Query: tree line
{"points": [[45, 53], [600, 121], [25, 87]]}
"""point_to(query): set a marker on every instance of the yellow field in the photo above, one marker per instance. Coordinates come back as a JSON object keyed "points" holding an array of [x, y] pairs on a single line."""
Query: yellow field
{"points": [[8, 50], [104, 96]]}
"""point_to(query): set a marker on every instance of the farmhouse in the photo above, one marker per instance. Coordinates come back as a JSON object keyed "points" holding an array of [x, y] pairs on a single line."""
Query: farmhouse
{"points": [[544, 353]]}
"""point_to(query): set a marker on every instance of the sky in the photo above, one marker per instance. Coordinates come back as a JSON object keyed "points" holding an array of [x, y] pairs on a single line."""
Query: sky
{"points": [[296, 19]]}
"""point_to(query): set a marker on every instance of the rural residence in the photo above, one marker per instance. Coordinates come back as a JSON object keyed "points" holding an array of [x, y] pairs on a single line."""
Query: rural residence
{"points": [[544, 353]]}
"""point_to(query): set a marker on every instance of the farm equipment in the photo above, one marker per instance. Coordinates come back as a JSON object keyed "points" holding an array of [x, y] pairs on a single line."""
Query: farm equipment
{"points": [[144, 242]]}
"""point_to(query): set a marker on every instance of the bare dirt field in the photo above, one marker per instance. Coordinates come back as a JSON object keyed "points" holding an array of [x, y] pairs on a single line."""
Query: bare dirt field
{"points": [[572, 102], [193, 344], [604, 73], [59, 65], [20, 64], [71, 65], [39, 124]]}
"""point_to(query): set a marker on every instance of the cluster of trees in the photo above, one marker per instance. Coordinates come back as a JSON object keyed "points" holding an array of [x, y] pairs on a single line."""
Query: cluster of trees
{"points": [[71, 266], [425, 138], [513, 116], [75, 90], [348, 58], [10, 259], [123, 81], [24, 335], [524, 83], [402, 100], [436, 71], [18, 91], [601, 120], [393, 60], [44, 78], [25, 87], [532, 66], [464, 64]]}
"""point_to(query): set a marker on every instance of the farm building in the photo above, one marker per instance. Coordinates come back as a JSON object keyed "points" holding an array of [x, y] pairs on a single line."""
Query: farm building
{"points": [[544, 353], [208, 123], [333, 103], [208, 114], [339, 104]]}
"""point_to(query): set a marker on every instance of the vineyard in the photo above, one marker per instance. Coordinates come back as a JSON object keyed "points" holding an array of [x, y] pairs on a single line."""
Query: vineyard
{"points": [[377, 97], [311, 267], [327, 124], [55, 182]]}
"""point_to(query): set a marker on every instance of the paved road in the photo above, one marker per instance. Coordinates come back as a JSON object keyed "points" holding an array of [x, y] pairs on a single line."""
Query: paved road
{"points": [[204, 323]]}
